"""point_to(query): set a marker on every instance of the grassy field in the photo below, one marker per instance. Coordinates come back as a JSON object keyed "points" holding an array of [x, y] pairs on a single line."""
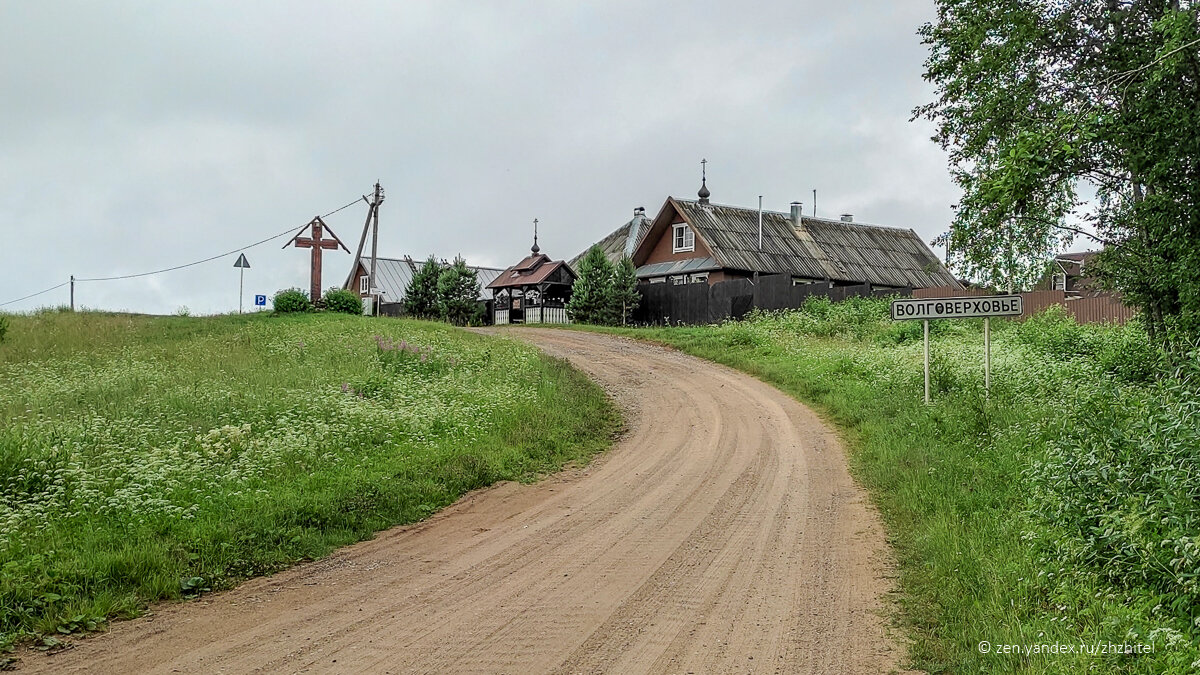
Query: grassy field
{"points": [[1065, 510], [147, 458]]}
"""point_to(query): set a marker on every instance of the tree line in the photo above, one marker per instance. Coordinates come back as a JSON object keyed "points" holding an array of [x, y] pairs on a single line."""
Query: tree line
{"points": [[444, 292]]}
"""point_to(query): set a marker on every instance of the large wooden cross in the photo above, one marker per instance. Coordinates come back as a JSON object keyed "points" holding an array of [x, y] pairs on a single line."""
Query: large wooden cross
{"points": [[317, 242]]}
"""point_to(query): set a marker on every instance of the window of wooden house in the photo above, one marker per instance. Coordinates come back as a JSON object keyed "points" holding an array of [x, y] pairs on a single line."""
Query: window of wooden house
{"points": [[685, 239], [701, 278], [364, 284], [1060, 282], [658, 280], [679, 279]]}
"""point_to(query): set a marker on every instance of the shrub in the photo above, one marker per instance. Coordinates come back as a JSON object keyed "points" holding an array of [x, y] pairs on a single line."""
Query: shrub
{"points": [[342, 300], [291, 300], [3, 328]]}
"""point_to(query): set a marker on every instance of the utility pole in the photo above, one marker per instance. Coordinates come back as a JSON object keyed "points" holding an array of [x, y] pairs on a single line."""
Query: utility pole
{"points": [[72, 292], [375, 241]]}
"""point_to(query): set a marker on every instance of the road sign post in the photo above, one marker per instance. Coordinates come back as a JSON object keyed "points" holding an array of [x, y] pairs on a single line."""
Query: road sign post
{"points": [[242, 264], [983, 307], [926, 360]]}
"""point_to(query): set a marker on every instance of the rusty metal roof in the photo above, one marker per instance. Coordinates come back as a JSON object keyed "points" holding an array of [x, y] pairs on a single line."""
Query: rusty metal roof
{"points": [[819, 249]]}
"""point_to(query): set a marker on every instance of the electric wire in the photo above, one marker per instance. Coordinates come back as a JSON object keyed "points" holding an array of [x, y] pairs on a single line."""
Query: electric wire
{"points": [[34, 295], [179, 267]]}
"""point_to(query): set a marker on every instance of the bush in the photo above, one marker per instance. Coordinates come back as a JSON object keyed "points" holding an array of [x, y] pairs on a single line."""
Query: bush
{"points": [[342, 300], [3, 328], [291, 300]]}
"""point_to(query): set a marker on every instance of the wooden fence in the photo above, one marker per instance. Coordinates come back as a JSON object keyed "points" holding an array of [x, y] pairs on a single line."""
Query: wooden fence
{"points": [[701, 303], [1086, 307]]}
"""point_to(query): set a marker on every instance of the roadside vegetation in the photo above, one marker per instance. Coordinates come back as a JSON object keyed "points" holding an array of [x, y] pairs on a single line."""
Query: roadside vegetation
{"points": [[146, 458], [1062, 510]]}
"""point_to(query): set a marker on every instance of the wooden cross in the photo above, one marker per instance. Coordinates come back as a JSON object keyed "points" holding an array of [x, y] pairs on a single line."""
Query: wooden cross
{"points": [[317, 242]]}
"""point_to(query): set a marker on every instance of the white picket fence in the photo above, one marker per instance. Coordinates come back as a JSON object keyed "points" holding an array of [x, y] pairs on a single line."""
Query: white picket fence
{"points": [[546, 315], [534, 315]]}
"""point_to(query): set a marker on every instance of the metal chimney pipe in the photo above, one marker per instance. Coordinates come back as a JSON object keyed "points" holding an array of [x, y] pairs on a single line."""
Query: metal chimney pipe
{"points": [[796, 209], [760, 222]]}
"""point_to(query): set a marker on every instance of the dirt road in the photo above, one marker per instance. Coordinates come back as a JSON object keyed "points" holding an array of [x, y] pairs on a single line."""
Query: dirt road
{"points": [[721, 534]]}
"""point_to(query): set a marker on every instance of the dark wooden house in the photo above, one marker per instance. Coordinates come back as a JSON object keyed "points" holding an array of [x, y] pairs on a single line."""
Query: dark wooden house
{"points": [[535, 290], [696, 241]]}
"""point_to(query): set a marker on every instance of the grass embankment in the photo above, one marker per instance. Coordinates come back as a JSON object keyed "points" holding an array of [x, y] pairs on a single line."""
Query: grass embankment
{"points": [[147, 458], [1064, 510]]}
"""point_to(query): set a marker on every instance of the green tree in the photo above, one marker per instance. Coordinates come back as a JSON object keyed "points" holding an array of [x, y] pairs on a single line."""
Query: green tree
{"points": [[1057, 112], [625, 296], [421, 295], [591, 294], [458, 294]]}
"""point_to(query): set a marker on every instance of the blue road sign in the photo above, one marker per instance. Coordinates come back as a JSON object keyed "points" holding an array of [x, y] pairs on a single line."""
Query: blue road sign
{"points": [[260, 300]]}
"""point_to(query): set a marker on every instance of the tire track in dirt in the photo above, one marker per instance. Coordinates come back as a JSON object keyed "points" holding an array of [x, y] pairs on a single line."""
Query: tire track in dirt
{"points": [[721, 534]]}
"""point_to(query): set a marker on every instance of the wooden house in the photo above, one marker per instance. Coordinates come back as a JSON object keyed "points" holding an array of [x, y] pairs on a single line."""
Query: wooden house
{"points": [[535, 290], [1069, 273], [696, 241]]}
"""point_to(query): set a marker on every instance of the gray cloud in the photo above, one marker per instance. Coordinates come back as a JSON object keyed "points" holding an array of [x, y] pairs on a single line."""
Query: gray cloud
{"points": [[138, 135]]}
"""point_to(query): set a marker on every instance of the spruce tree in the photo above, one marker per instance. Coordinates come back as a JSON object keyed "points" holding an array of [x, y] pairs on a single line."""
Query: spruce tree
{"points": [[458, 294], [421, 296], [625, 296], [591, 294]]}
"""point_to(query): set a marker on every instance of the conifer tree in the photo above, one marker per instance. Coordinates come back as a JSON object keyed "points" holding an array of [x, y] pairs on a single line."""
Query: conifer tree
{"points": [[458, 294], [591, 294], [421, 296], [625, 295]]}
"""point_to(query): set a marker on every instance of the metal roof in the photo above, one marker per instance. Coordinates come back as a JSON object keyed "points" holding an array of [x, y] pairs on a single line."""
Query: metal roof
{"points": [[393, 276], [677, 267], [819, 249], [619, 242]]}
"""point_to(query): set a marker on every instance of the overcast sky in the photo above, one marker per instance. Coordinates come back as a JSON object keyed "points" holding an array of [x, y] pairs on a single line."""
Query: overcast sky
{"points": [[140, 135]]}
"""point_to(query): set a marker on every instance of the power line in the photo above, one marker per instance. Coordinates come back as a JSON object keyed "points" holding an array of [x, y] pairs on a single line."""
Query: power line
{"points": [[179, 267], [34, 295]]}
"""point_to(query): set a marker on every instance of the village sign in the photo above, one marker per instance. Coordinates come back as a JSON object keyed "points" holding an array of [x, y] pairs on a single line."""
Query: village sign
{"points": [[959, 308]]}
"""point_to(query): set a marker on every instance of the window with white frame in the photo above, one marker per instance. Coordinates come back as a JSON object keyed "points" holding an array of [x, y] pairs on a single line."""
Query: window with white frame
{"points": [[679, 279], [701, 278], [658, 280], [685, 239], [1060, 282], [364, 284]]}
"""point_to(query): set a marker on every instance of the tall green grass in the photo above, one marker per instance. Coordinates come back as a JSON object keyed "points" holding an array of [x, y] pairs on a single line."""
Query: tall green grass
{"points": [[1062, 509], [147, 458]]}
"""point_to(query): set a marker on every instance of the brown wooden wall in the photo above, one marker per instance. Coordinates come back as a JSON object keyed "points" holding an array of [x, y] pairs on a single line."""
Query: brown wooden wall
{"points": [[1087, 307]]}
